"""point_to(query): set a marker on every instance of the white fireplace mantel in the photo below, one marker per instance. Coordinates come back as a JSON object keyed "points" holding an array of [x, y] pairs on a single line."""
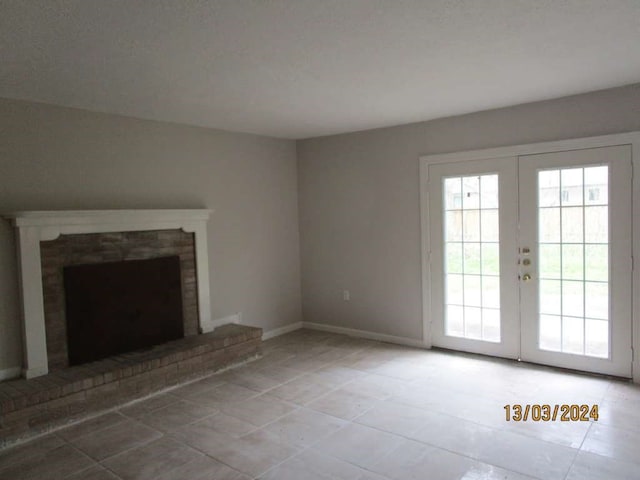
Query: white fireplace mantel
{"points": [[36, 226]]}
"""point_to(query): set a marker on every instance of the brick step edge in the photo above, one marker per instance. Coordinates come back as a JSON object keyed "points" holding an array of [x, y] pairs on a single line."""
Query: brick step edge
{"points": [[19, 394], [22, 424]]}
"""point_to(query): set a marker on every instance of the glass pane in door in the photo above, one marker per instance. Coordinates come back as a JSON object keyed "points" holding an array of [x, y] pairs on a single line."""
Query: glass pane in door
{"points": [[472, 260], [573, 271]]}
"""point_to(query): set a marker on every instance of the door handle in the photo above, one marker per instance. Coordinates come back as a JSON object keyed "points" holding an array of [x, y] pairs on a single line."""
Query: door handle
{"points": [[526, 277]]}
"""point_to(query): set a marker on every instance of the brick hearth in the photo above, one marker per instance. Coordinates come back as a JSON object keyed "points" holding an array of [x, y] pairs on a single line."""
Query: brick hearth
{"points": [[31, 407]]}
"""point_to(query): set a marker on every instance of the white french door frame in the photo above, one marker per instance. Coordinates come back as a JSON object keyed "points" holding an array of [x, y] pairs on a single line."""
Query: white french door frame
{"points": [[631, 138]]}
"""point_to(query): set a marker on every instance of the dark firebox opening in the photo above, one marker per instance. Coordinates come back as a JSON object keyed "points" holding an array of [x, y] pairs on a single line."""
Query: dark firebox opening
{"points": [[119, 307]]}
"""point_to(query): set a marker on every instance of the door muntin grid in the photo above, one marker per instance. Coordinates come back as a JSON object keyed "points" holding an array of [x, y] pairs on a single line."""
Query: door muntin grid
{"points": [[471, 257], [573, 252]]}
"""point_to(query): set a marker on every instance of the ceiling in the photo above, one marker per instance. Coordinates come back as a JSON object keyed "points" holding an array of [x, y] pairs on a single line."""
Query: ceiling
{"points": [[304, 68]]}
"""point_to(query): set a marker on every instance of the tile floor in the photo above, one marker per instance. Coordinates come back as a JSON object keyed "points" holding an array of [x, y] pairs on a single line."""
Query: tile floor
{"points": [[325, 406]]}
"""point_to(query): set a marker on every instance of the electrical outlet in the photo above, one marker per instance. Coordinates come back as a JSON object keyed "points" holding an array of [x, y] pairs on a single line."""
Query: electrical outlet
{"points": [[346, 295]]}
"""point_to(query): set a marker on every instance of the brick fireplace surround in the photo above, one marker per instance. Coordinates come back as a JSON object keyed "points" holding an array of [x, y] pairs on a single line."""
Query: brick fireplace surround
{"points": [[54, 394], [94, 248]]}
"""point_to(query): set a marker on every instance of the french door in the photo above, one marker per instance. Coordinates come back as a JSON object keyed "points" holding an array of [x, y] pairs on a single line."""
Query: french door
{"points": [[531, 258]]}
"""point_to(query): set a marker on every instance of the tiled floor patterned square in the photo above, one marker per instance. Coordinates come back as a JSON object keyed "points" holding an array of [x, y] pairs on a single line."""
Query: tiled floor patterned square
{"points": [[326, 406]]}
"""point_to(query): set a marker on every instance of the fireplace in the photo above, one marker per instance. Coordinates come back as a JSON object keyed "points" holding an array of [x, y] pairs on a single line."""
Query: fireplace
{"points": [[118, 307], [101, 256], [50, 241]]}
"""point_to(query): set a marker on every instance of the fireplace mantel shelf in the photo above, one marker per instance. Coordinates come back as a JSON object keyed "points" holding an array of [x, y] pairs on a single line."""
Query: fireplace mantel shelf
{"points": [[36, 226], [69, 218]]}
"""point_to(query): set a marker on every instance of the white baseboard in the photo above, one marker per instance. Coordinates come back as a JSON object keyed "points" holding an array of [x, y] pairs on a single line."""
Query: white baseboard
{"points": [[381, 337], [410, 342], [211, 325], [10, 373], [281, 330]]}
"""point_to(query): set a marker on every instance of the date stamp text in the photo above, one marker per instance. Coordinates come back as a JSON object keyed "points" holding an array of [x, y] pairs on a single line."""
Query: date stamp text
{"points": [[551, 413]]}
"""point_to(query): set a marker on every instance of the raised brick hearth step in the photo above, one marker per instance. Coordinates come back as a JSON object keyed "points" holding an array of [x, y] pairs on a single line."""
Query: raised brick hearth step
{"points": [[30, 407]]}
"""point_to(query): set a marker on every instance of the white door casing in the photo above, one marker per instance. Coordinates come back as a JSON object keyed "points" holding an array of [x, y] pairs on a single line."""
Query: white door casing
{"points": [[627, 230]]}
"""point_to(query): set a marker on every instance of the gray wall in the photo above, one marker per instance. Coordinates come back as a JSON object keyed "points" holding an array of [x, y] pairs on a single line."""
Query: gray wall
{"points": [[358, 198], [359, 201], [61, 158]]}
